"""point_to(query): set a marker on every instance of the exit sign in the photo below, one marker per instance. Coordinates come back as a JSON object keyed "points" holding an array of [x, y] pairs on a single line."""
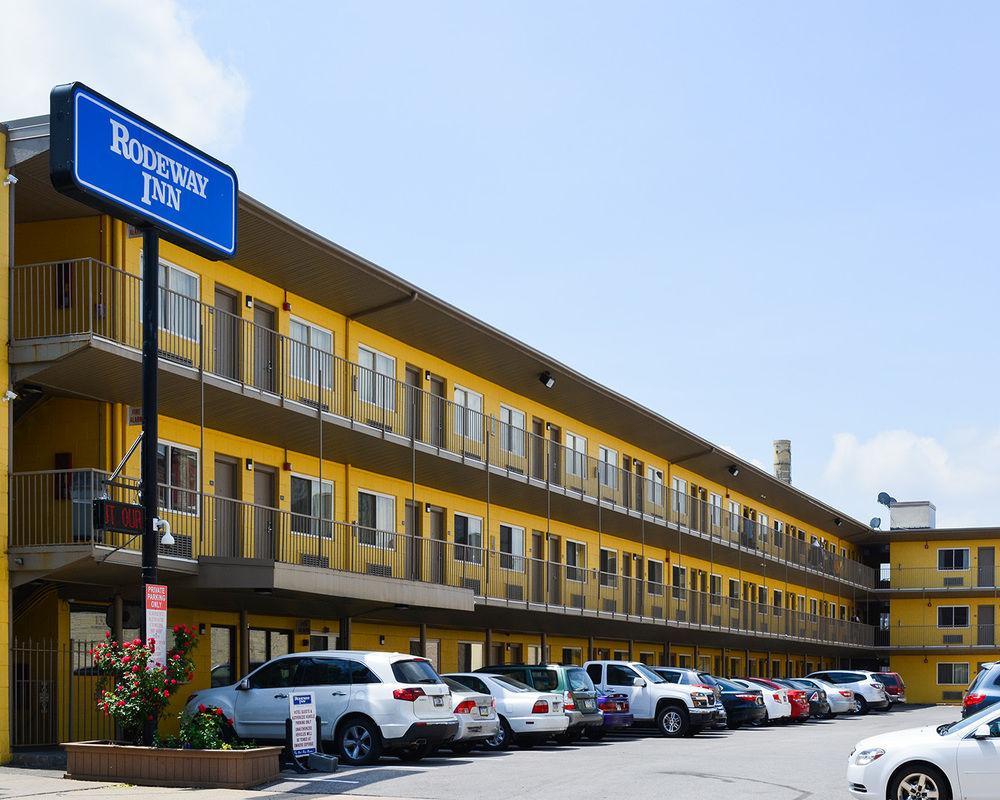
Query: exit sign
{"points": [[110, 515]]}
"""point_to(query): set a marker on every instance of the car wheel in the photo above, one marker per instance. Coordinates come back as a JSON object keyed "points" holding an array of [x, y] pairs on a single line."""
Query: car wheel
{"points": [[733, 725], [461, 748], [860, 705], [596, 733], [919, 780], [673, 721], [501, 739], [359, 742]]}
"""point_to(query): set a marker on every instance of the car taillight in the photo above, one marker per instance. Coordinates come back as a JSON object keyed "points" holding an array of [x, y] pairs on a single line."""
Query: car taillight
{"points": [[777, 697], [465, 707], [568, 702], [973, 699], [410, 693], [493, 702], [540, 707], [749, 697], [845, 693]]}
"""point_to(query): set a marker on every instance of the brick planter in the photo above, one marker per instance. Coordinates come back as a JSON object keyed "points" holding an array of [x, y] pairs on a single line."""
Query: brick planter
{"points": [[151, 766]]}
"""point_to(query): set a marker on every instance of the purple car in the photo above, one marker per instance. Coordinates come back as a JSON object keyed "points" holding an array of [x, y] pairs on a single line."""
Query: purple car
{"points": [[616, 712]]}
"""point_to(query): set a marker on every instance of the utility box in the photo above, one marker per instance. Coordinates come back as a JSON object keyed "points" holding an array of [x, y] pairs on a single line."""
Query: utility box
{"points": [[913, 514]]}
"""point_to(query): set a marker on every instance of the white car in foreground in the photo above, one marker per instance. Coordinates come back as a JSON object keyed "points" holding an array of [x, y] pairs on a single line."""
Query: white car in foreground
{"points": [[368, 702], [960, 761], [527, 717], [776, 702]]}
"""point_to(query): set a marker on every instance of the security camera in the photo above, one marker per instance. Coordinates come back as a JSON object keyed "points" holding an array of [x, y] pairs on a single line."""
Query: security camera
{"points": [[9, 396], [10, 180]]}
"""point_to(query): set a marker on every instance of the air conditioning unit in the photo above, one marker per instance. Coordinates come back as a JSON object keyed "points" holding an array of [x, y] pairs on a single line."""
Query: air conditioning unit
{"points": [[515, 591], [380, 570]]}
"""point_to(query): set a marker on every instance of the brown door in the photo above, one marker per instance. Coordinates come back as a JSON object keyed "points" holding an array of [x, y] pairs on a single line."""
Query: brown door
{"points": [[265, 348], [537, 567], [414, 543], [555, 455], [265, 516], [537, 452], [638, 582], [436, 413], [436, 544], [986, 572], [637, 468], [414, 404], [227, 508], [226, 334], [626, 592], [555, 570], [626, 476], [985, 622]]}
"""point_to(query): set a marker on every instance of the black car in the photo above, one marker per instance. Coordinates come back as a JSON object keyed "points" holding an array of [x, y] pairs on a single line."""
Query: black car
{"points": [[819, 706], [743, 706], [984, 690]]}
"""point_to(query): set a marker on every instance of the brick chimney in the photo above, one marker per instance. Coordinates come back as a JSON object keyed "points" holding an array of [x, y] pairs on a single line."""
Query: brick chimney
{"points": [[783, 460]]}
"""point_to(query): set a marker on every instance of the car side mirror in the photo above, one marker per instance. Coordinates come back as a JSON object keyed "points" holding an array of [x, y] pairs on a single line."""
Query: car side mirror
{"points": [[638, 682], [243, 685], [982, 732]]}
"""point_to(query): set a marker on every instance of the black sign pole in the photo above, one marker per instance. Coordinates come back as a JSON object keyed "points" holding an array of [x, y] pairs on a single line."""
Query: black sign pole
{"points": [[150, 422]]}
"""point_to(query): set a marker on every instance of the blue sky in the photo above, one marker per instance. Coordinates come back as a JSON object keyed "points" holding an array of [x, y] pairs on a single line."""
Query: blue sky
{"points": [[762, 220]]}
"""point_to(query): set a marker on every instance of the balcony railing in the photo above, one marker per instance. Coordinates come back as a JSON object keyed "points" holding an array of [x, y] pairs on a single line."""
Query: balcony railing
{"points": [[930, 636], [51, 509], [979, 577], [88, 297]]}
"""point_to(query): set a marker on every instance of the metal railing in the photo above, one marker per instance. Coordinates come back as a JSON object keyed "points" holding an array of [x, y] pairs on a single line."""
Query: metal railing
{"points": [[979, 577], [930, 636], [54, 508], [88, 297]]}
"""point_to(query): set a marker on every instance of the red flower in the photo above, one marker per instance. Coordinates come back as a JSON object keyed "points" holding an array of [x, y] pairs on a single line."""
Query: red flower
{"points": [[126, 659], [218, 711], [121, 703], [173, 681], [150, 717], [201, 708], [135, 668]]}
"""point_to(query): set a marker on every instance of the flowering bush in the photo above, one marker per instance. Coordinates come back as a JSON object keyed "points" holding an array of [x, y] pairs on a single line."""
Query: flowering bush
{"points": [[134, 690]]}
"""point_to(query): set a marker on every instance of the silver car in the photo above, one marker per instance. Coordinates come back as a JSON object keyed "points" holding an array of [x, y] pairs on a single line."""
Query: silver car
{"points": [[868, 692], [476, 714], [841, 700]]}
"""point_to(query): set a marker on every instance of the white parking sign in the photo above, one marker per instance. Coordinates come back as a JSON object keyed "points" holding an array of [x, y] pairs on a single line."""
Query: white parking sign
{"points": [[302, 712]]}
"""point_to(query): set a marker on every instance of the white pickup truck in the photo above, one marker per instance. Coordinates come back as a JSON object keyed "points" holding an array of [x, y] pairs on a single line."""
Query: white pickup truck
{"points": [[676, 709]]}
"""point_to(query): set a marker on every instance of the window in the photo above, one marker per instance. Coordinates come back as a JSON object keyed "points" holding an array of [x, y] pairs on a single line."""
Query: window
{"points": [[178, 306], [779, 533], [609, 567], [607, 467], [361, 674], [512, 433], [468, 414], [777, 602], [277, 675], [734, 592], [177, 478], [619, 675], [654, 480], [715, 589], [594, 672], [843, 612], [953, 616], [324, 672], [312, 510], [679, 583], [377, 378], [678, 488], [813, 606], [953, 558], [734, 516], [715, 503], [468, 539], [511, 547], [576, 454], [416, 671], [376, 519], [763, 527], [762, 597], [576, 560], [311, 352], [654, 572], [950, 674]]}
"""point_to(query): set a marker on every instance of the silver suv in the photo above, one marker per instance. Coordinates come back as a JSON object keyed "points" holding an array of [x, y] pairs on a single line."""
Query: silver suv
{"points": [[869, 693]]}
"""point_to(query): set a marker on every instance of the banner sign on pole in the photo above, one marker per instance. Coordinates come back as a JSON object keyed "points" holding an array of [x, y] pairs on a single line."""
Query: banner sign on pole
{"points": [[111, 159], [156, 622], [302, 712]]}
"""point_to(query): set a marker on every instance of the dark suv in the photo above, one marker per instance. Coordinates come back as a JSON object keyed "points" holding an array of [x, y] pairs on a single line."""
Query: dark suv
{"points": [[984, 690], [572, 682]]}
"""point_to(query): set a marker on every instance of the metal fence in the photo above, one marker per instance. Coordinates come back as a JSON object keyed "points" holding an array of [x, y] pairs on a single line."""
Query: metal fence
{"points": [[970, 636], [89, 297], [985, 576]]}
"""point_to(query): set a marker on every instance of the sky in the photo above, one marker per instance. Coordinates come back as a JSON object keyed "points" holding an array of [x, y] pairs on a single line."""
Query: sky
{"points": [[762, 220]]}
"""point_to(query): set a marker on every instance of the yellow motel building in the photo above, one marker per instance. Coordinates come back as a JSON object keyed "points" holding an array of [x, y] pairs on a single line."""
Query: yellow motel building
{"points": [[348, 461]]}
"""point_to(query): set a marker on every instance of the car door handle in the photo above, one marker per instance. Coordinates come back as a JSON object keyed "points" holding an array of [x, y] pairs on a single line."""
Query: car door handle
{"points": [[338, 694], [281, 697]]}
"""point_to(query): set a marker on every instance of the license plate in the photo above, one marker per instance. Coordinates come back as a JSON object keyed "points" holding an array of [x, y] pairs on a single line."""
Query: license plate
{"points": [[438, 702], [484, 711], [587, 705]]}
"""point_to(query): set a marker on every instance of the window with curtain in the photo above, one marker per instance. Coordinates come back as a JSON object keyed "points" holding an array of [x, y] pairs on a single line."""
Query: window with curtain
{"points": [[311, 352], [377, 378], [177, 478], [609, 567], [468, 414], [654, 484], [512, 432], [607, 467], [376, 519], [511, 547], [654, 573], [178, 301], [468, 539], [312, 508], [576, 455], [576, 561]]}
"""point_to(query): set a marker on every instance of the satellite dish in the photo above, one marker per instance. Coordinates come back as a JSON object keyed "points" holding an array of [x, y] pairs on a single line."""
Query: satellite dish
{"points": [[884, 498], [876, 522]]}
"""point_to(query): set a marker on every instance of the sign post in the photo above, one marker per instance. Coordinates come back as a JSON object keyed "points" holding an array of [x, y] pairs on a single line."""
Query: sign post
{"points": [[119, 163], [155, 620]]}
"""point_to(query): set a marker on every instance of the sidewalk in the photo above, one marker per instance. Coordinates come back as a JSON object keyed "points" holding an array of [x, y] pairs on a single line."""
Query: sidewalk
{"points": [[38, 783]]}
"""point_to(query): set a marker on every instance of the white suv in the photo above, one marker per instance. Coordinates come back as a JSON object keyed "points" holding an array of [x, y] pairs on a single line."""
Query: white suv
{"points": [[869, 693], [368, 702], [676, 709]]}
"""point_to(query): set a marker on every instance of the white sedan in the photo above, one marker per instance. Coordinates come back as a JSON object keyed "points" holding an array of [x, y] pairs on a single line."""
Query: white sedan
{"points": [[960, 760], [476, 714], [841, 700], [776, 702], [527, 717]]}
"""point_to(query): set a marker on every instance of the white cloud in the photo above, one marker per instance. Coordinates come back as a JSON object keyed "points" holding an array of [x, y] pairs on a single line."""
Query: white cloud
{"points": [[143, 55], [959, 474]]}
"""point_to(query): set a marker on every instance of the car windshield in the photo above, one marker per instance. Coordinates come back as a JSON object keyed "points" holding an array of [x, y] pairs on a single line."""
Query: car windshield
{"points": [[579, 680], [887, 678], [988, 714], [648, 674], [415, 671], [728, 686], [455, 686], [512, 684]]}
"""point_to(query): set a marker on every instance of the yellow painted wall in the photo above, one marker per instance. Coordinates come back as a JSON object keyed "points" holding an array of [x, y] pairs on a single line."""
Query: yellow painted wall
{"points": [[920, 674]]}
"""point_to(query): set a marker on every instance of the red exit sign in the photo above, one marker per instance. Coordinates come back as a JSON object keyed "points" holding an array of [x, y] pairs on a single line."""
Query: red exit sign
{"points": [[119, 517]]}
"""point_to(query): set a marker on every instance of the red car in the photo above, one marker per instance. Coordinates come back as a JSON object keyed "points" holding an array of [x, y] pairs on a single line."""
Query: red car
{"points": [[895, 689], [799, 698]]}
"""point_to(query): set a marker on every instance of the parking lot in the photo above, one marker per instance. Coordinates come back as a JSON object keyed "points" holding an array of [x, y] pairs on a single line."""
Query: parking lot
{"points": [[790, 762]]}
